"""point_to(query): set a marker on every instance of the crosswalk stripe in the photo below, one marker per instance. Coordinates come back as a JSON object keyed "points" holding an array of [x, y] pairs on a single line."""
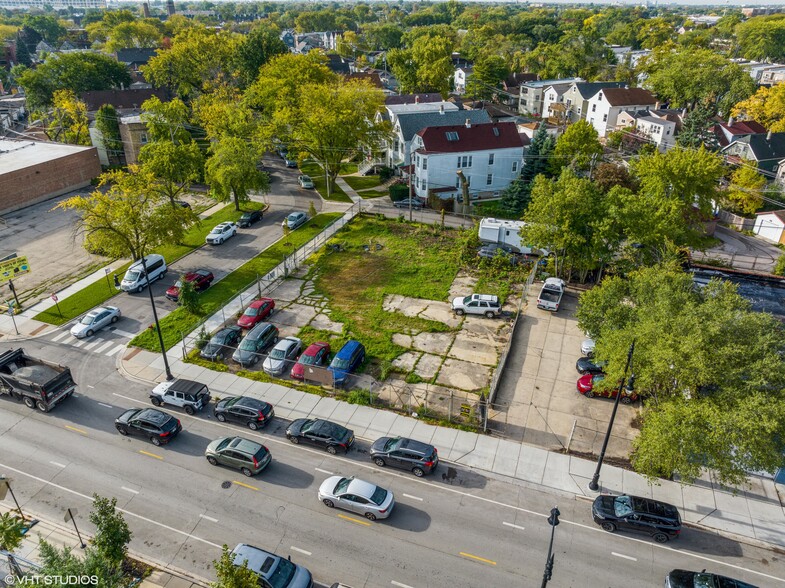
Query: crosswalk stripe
{"points": [[95, 342], [104, 347], [115, 350], [79, 343], [60, 335], [124, 333]]}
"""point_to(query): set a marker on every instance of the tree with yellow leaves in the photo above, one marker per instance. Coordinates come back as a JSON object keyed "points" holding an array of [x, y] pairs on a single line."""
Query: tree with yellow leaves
{"points": [[766, 106]]}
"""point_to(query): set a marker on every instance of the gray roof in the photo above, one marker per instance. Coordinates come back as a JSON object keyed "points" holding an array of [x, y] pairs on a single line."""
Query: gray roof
{"points": [[560, 88], [413, 122], [767, 151], [589, 89]]}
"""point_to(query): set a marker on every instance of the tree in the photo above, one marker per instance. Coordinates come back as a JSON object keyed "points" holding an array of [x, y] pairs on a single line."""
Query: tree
{"points": [[45, 25], [233, 576], [579, 147], [188, 297], [489, 72], [174, 166], [256, 49], [231, 170], [537, 158], [166, 121], [382, 36], [607, 175], [106, 121], [138, 34], [63, 563], [653, 32], [67, 122], [112, 534], [426, 66], [745, 191], [280, 80], [127, 219], [77, 72], [695, 130], [762, 38], [12, 531], [779, 266], [515, 197], [766, 106], [706, 405], [100, 30], [22, 52]]}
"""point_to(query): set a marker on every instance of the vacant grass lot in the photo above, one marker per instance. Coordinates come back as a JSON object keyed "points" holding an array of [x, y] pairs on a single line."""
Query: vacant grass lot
{"points": [[363, 182], [181, 322], [311, 168], [99, 292]]}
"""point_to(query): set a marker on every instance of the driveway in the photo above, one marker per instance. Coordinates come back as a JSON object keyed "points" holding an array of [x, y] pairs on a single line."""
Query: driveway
{"points": [[741, 251]]}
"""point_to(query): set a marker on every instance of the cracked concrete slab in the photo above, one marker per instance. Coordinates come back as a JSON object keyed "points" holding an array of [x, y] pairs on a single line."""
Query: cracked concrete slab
{"points": [[405, 305], [463, 375], [428, 366], [406, 361], [289, 289], [402, 340], [323, 323], [437, 343], [475, 350], [441, 312], [297, 315]]}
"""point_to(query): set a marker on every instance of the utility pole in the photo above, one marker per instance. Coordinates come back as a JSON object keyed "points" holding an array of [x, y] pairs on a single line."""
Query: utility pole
{"points": [[465, 192], [169, 375], [553, 520]]}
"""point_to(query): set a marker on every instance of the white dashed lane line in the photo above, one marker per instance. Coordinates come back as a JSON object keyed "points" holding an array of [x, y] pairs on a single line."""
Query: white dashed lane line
{"points": [[621, 555]]}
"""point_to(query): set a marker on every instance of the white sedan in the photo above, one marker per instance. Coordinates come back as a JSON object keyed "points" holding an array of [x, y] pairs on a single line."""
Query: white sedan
{"points": [[95, 320], [369, 500], [283, 356], [221, 233]]}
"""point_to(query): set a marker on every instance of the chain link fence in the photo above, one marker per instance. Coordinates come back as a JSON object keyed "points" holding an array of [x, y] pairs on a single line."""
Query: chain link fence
{"points": [[12, 567]]}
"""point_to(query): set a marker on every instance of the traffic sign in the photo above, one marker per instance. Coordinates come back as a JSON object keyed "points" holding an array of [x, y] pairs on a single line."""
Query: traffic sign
{"points": [[54, 296], [11, 268]]}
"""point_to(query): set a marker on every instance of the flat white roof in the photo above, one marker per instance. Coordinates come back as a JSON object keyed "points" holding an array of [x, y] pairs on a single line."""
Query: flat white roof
{"points": [[16, 155]]}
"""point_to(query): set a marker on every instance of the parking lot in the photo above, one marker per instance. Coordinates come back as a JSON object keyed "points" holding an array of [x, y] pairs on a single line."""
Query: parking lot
{"points": [[537, 401]]}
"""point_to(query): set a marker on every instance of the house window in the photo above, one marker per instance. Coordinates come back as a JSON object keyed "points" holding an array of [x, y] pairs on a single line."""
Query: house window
{"points": [[515, 167], [425, 163], [490, 159], [599, 96], [464, 161], [452, 136], [579, 111], [604, 118], [594, 108], [667, 131], [395, 145], [143, 138], [489, 180]]}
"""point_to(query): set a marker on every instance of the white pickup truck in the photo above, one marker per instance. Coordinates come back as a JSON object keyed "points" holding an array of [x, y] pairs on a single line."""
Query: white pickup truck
{"points": [[551, 294]]}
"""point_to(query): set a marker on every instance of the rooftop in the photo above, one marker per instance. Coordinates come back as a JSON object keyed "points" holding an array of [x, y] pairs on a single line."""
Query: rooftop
{"points": [[477, 137], [16, 155]]}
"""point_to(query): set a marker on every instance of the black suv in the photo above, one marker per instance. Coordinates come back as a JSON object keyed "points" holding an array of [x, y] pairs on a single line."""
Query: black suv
{"points": [[245, 410], [407, 454], [686, 579], [154, 424], [642, 515], [588, 365], [327, 434]]}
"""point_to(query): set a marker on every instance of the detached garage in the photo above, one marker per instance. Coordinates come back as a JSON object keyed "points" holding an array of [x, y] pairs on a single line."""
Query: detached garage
{"points": [[771, 226], [33, 171]]}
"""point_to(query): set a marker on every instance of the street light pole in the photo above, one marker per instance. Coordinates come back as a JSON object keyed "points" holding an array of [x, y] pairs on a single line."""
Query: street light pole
{"points": [[594, 485], [553, 520], [169, 375]]}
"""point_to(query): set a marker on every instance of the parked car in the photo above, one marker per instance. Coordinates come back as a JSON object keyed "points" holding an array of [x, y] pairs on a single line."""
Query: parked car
{"points": [[305, 181], [633, 513], [221, 233], [492, 250], [247, 456], [294, 220], [406, 454], [249, 218], [201, 279], [187, 394], [589, 385], [483, 304], [182, 204], [348, 359], [282, 356], [95, 320], [155, 425], [256, 312], [136, 280], [316, 354], [415, 203], [221, 343], [273, 571], [704, 579], [551, 294], [250, 349], [587, 365], [587, 347], [369, 500], [251, 412], [290, 161], [321, 433]]}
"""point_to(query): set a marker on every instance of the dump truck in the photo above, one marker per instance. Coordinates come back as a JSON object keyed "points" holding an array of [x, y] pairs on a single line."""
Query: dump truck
{"points": [[38, 383]]}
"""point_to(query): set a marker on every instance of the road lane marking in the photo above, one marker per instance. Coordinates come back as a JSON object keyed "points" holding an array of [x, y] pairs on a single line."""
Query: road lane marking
{"points": [[122, 510], [131, 490], [89, 346], [413, 497], [399, 585], [624, 556], [123, 333], [106, 405], [298, 550], [59, 336], [143, 452], [89, 386], [513, 526], [79, 343], [206, 518], [104, 347], [80, 431], [59, 465], [324, 471], [115, 350], [478, 558], [244, 485], [352, 519]]}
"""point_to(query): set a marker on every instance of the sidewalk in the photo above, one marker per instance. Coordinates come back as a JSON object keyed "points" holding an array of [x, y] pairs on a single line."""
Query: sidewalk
{"points": [[162, 576], [755, 514]]}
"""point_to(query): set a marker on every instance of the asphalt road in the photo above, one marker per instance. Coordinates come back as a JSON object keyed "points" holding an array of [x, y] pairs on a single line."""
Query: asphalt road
{"points": [[476, 531]]}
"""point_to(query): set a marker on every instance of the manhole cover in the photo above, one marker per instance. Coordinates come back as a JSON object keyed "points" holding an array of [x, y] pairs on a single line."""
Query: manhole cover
{"points": [[226, 485]]}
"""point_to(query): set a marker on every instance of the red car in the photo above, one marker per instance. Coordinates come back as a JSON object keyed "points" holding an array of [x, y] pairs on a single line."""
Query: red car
{"points": [[588, 386], [200, 278], [256, 313], [316, 354]]}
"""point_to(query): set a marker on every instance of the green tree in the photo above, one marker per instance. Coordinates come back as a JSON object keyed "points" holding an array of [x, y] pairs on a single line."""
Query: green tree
{"points": [[515, 197], [256, 49], [685, 337], [762, 37], [489, 72], [695, 130], [745, 192], [579, 147], [12, 531], [46, 25], [137, 34], [382, 36], [766, 106], [608, 175], [99, 30], [63, 562], [426, 66], [537, 158], [175, 167], [22, 52], [779, 266], [233, 576], [653, 32], [66, 121], [188, 297], [167, 121], [106, 121], [279, 81], [112, 534], [231, 170]]}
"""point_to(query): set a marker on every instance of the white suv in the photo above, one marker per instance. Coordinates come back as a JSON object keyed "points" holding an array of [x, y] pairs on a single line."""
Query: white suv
{"points": [[477, 304], [221, 233]]}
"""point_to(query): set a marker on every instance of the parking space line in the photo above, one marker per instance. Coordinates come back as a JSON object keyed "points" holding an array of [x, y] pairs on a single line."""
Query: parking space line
{"points": [[324, 471], [413, 497], [106, 405], [104, 347], [150, 454], [399, 585], [624, 556], [115, 350], [206, 518], [352, 519], [131, 490], [478, 558], [59, 465], [244, 485], [513, 526], [298, 550], [59, 336], [74, 429]]}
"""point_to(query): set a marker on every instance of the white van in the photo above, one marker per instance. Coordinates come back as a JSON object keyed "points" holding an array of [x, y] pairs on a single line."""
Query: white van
{"points": [[135, 280]]}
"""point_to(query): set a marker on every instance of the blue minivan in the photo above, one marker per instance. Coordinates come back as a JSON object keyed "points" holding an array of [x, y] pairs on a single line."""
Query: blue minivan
{"points": [[348, 359]]}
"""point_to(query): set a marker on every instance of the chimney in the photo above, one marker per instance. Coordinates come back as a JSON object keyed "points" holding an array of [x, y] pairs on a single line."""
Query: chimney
{"points": [[441, 109], [416, 98], [146, 9], [657, 105], [469, 124], [768, 137], [684, 113], [730, 121]]}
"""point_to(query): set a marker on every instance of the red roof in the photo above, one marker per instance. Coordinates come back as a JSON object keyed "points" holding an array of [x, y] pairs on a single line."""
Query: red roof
{"points": [[744, 127], [479, 137]]}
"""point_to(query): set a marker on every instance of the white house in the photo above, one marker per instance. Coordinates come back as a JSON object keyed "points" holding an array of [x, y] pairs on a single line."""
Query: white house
{"points": [[553, 94], [460, 78], [531, 94], [606, 105], [771, 226], [490, 156], [659, 130], [577, 96]]}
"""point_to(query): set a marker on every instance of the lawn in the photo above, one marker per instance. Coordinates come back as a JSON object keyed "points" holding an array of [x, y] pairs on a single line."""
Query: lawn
{"points": [[493, 209], [99, 292], [363, 182], [181, 322], [312, 169]]}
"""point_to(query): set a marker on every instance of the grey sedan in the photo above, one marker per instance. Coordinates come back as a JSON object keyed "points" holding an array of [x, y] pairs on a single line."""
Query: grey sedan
{"points": [[294, 220], [369, 500], [282, 356], [95, 320]]}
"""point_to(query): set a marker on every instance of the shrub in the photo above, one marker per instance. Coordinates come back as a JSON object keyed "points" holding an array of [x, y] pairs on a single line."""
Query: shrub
{"points": [[385, 173], [399, 192], [440, 203], [779, 267]]}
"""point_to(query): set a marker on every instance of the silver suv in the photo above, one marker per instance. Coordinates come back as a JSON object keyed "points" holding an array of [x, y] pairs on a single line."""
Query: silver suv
{"points": [[273, 571], [485, 304]]}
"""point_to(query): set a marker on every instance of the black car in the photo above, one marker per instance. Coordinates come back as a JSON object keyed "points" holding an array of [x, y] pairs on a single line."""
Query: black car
{"points": [[245, 410], [588, 365], [249, 218], [221, 343], [491, 250], [154, 424], [633, 513], [406, 454], [321, 433], [687, 579]]}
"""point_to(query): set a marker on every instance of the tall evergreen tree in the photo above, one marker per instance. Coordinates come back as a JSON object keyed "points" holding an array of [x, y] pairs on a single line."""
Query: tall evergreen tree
{"points": [[536, 161], [695, 128]]}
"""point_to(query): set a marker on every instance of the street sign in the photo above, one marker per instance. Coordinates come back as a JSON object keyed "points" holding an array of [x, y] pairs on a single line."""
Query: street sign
{"points": [[54, 297], [70, 513], [11, 268]]}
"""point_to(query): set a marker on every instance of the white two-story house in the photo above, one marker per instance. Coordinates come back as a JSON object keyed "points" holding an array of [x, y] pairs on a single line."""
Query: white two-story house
{"points": [[659, 130], [606, 105], [577, 96], [461, 78], [532, 95], [490, 156]]}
